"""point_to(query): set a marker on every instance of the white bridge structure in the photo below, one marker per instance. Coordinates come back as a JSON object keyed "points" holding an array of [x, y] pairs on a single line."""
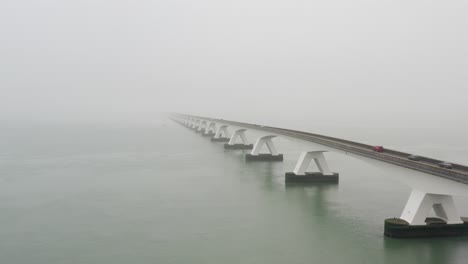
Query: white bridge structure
{"points": [[210, 129], [222, 134], [426, 196]]}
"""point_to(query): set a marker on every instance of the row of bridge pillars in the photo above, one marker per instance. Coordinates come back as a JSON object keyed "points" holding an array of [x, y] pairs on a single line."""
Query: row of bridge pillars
{"points": [[238, 140], [414, 220]]}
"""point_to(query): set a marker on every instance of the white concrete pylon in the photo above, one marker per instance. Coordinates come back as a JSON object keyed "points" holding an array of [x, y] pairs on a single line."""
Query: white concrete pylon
{"points": [[210, 128], [420, 203], [222, 130], [202, 125], [196, 124], [306, 158], [265, 140], [240, 133]]}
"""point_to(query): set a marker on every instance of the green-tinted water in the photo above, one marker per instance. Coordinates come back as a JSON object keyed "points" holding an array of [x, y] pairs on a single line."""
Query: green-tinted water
{"points": [[163, 194]]}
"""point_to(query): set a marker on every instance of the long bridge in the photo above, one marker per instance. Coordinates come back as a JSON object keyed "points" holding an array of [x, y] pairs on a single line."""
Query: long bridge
{"points": [[414, 221]]}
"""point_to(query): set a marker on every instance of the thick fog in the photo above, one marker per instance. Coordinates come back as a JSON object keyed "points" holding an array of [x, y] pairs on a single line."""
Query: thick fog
{"points": [[130, 61]]}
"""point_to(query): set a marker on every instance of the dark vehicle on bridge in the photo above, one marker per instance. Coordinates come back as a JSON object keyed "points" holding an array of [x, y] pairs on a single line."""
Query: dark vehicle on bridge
{"points": [[378, 149], [445, 165], [414, 157]]}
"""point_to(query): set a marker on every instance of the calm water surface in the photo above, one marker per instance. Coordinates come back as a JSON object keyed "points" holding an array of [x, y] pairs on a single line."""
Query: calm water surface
{"points": [[162, 194]]}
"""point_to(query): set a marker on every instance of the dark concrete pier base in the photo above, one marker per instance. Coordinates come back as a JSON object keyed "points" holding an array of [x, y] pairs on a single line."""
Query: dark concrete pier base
{"points": [[220, 139], [210, 134], [238, 146], [435, 227], [264, 157], [200, 131], [311, 177]]}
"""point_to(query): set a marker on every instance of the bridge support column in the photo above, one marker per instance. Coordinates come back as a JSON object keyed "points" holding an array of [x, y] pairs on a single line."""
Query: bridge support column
{"points": [[238, 134], [218, 137], [210, 130], [190, 123], [255, 155], [202, 127], [299, 175], [195, 124], [415, 220]]}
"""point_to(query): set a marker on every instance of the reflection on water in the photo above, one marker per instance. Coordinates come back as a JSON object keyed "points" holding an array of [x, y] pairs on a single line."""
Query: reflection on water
{"points": [[434, 250], [312, 196]]}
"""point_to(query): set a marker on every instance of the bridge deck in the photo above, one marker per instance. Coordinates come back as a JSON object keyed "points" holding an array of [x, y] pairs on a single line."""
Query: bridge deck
{"points": [[459, 173]]}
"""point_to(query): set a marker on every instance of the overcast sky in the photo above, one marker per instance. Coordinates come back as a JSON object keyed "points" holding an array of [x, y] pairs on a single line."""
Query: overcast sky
{"points": [[108, 60]]}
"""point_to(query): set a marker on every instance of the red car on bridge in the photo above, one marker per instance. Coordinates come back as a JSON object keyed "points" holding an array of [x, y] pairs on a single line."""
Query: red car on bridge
{"points": [[378, 149]]}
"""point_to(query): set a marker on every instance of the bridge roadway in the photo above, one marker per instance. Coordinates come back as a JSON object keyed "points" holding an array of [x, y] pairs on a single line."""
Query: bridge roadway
{"points": [[459, 173]]}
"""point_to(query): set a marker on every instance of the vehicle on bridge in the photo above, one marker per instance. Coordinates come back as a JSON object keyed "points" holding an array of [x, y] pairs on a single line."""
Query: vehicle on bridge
{"points": [[445, 165], [378, 149], [414, 157]]}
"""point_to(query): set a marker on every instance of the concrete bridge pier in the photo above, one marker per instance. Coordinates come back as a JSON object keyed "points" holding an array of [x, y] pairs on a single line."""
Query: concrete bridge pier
{"points": [[255, 155], [195, 124], [202, 127], [299, 174], [210, 130], [218, 137], [190, 123], [415, 220], [238, 134]]}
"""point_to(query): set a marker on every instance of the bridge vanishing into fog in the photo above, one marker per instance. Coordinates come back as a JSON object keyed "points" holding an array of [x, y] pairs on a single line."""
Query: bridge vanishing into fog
{"points": [[414, 220]]}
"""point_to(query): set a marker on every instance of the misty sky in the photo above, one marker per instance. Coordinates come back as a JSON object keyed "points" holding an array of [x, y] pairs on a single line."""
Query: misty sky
{"points": [[108, 60]]}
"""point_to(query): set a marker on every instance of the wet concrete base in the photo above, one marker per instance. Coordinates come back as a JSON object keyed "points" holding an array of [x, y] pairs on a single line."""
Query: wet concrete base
{"points": [[238, 146], [220, 139], [264, 157], [210, 134], [435, 227], [311, 177]]}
